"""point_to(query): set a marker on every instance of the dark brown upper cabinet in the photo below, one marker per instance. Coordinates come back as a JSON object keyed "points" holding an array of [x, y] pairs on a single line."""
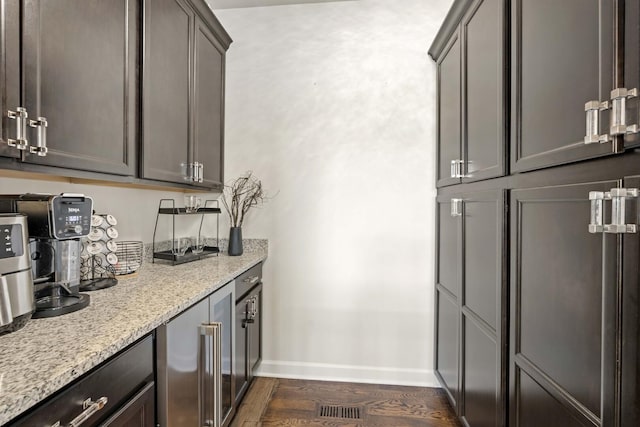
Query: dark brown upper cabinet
{"points": [[449, 114], [79, 74], [9, 77], [183, 93], [562, 56], [68, 74], [208, 145], [484, 114], [471, 95]]}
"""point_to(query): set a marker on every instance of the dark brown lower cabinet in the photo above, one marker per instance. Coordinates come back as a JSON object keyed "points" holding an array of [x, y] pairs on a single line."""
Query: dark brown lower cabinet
{"points": [[470, 334], [563, 310], [125, 382], [138, 412]]}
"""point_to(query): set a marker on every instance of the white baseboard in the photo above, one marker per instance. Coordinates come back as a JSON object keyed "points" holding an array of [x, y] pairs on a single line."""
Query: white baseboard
{"points": [[347, 373]]}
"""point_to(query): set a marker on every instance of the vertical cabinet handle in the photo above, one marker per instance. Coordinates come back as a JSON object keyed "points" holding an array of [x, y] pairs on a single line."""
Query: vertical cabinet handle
{"points": [[618, 121], [618, 197], [456, 207], [200, 172], [20, 116], [457, 169], [210, 374], [41, 141], [619, 98], [592, 134]]}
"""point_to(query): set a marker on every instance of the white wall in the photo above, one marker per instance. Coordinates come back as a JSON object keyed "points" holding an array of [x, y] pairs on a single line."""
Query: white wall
{"points": [[333, 106]]}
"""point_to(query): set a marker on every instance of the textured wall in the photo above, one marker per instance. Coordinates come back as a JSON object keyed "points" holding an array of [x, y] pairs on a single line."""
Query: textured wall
{"points": [[333, 106]]}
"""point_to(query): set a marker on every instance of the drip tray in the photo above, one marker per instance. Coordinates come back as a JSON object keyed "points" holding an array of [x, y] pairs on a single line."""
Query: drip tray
{"points": [[51, 306]]}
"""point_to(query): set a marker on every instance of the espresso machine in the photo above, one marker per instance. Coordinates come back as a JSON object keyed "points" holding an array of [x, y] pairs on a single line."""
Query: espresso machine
{"points": [[16, 285], [56, 223]]}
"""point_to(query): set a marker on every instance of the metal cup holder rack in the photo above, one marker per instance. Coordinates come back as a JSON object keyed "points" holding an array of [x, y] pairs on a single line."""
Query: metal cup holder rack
{"points": [[168, 207]]}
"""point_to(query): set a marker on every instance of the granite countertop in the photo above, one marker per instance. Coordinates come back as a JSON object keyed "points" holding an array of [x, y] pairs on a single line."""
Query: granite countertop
{"points": [[47, 354]]}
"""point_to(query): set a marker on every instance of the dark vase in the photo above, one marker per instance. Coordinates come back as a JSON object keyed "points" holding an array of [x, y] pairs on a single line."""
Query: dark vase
{"points": [[235, 241]]}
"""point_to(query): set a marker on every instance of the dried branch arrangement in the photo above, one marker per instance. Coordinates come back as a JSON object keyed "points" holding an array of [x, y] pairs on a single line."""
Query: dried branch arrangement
{"points": [[239, 197]]}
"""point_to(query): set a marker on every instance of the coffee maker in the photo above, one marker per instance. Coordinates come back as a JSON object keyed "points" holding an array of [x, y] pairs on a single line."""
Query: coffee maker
{"points": [[56, 223], [16, 285]]}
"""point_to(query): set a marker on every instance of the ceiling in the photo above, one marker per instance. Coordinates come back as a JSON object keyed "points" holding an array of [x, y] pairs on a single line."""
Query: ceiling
{"points": [[230, 4]]}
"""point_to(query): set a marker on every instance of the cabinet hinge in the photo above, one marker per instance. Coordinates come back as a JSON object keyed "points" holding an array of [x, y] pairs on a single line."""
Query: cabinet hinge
{"points": [[618, 197]]}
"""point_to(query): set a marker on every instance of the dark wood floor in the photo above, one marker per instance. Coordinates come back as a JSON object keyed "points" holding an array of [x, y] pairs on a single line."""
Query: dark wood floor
{"points": [[272, 402]]}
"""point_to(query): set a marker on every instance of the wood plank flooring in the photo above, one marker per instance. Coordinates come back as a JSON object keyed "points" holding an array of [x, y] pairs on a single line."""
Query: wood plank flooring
{"points": [[274, 402]]}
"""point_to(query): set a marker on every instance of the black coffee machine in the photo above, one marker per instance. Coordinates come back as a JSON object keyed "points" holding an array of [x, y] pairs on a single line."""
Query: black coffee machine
{"points": [[56, 224]]}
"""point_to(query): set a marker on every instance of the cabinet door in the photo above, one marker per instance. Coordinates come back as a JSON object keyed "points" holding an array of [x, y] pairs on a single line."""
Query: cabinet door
{"points": [[563, 310], [483, 298], [562, 57], [137, 412], [448, 276], [9, 73], [80, 60], [166, 89], [632, 65], [630, 334], [484, 114], [209, 105], [449, 69]]}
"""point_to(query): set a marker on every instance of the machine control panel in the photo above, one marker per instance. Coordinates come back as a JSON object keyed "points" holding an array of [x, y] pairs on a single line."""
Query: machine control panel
{"points": [[11, 241], [71, 217]]}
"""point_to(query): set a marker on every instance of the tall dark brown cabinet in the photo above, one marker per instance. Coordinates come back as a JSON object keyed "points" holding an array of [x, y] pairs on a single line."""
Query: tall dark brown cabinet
{"points": [[537, 278], [183, 93]]}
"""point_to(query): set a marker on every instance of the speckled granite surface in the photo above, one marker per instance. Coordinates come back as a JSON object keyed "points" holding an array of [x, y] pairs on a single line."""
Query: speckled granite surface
{"points": [[47, 354]]}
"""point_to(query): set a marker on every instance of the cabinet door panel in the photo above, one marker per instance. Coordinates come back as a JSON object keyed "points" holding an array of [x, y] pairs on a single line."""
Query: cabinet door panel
{"points": [[563, 292], [138, 412], [483, 255], [209, 105], [484, 140], [448, 111], [166, 103], [538, 408], [550, 87], [481, 377], [630, 341], [448, 248], [80, 59], [9, 73], [447, 337]]}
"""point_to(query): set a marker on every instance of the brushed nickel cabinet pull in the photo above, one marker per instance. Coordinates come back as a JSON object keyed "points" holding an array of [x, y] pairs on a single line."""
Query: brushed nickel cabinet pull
{"points": [[41, 141], [90, 408], [20, 116]]}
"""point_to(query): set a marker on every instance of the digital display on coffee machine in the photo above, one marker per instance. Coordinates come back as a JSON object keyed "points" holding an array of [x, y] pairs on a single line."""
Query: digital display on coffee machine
{"points": [[71, 216], [11, 241]]}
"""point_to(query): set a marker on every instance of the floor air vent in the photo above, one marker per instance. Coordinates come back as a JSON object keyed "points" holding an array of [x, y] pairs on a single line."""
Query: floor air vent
{"points": [[336, 411]]}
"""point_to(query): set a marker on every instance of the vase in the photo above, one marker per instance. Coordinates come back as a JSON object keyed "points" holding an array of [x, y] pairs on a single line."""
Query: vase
{"points": [[235, 241]]}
